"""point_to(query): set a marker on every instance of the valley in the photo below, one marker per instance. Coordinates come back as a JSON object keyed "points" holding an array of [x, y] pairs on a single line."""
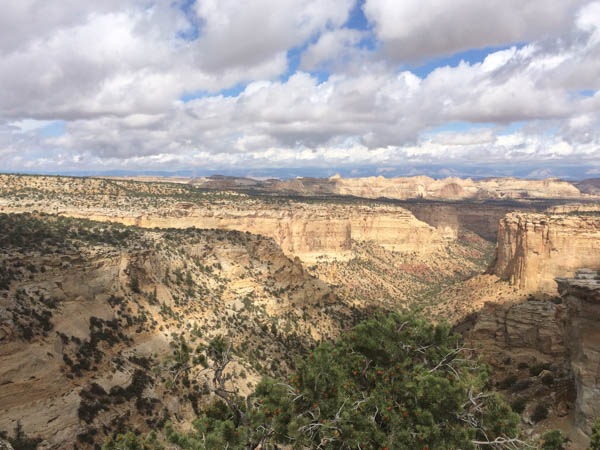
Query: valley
{"points": [[114, 291]]}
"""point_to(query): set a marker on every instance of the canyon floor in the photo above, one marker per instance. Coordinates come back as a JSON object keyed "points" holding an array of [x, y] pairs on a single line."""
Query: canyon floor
{"points": [[110, 288]]}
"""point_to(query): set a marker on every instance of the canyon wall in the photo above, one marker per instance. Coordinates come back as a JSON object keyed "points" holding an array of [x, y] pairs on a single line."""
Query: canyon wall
{"points": [[581, 296], [533, 249], [562, 337], [450, 218], [305, 231]]}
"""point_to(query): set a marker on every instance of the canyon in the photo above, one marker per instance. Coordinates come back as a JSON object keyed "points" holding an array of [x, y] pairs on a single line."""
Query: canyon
{"points": [[304, 229], [105, 279]]}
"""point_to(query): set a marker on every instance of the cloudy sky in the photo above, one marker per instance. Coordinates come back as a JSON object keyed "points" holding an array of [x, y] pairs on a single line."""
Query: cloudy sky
{"points": [[288, 87]]}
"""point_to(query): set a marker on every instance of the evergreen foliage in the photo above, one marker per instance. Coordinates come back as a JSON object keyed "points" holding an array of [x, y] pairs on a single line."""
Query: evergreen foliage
{"points": [[553, 440], [392, 382], [595, 437]]}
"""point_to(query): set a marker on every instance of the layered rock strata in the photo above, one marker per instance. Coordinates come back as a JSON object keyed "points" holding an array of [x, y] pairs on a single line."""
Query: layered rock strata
{"points": [[450, 218], [533, 249], [304, 229]]}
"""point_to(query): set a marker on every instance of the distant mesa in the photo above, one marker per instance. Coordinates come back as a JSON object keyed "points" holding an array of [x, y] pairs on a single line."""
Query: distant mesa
{"points": [[417, 187]]}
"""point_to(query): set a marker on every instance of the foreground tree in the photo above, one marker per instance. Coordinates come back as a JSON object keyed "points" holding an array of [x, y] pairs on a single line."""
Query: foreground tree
{"points": [[393, 382]]}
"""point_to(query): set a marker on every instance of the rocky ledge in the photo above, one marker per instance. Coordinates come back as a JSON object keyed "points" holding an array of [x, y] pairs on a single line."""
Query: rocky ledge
{"points": [[560, 337]]}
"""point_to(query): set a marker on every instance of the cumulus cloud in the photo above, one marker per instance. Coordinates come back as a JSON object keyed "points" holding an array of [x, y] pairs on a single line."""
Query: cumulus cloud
{"points": [[116, 72], [333, 46], [128, 57], [419, 29], [244, 33]]}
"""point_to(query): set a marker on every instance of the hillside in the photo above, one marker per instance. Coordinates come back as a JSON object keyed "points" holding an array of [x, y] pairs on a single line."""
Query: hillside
{"points": [[371, 253], [97, 320]]}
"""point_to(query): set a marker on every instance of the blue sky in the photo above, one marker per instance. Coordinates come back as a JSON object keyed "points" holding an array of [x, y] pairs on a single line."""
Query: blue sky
{"points": [[352, 86]]}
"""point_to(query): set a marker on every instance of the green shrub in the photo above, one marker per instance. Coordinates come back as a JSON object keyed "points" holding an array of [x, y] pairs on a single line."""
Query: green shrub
{"points": [[595, 436], [392, 379], [508, 382], [553, 440], [534, 371]]}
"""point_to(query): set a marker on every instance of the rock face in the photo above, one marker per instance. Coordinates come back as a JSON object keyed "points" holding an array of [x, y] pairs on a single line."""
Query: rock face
{"points": [[454, 188], [565, 336], [589, 186], [5, 445], [581, 295], [575, 208], [451, 217], [533, 249], [529, 331], [306, 232]]}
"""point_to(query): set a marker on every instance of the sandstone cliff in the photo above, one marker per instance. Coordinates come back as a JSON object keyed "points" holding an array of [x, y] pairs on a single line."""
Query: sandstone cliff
{"points": [[304, 229], [454, 188], [450, 218], [533, 249], [575, 208]]}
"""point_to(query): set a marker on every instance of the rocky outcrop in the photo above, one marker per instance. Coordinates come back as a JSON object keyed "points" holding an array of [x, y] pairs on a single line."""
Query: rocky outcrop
{"points": [[563, 335], [581, 296], [527, 332], [4, 445], [590, 186], [533, 249], [575, 208], [304, 231], [454, 188]]}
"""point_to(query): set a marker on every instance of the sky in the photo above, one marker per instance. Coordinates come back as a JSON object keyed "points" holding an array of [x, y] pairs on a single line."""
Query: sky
{"points": [[289, 88]]}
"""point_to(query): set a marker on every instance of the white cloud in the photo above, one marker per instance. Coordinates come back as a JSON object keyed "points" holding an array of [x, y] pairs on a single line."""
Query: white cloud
{"points": [[419, 29], [332, 46], [243, 33], [115, 74]]}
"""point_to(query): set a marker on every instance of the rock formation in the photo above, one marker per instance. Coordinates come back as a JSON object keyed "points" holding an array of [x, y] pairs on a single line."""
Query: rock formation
{"points": [[533, 249], [561, 339], [450, 218], [90, 315], [581, 296], [590, 186], [304, 229]]}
